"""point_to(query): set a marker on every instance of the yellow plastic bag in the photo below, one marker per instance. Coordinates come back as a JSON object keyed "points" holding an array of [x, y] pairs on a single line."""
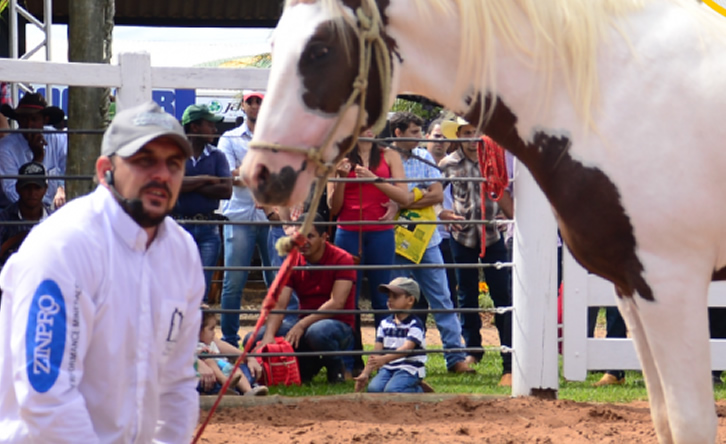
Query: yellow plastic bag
{"points": [[413, 238]]}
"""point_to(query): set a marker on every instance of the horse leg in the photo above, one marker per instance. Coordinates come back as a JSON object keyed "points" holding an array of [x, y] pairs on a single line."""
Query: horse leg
{"points": [[674, 347], [656, 396]]}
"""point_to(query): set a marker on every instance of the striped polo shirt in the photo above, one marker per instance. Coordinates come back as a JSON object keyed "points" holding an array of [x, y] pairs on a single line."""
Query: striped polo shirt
{"points": [[393, 335]]}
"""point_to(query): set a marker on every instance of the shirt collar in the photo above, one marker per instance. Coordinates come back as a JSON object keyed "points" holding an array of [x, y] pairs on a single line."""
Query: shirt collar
{"points": [[131, 233], [405, 320], [326, 253], [206, 152], [459, 155], [246, 130], [42, 218]]}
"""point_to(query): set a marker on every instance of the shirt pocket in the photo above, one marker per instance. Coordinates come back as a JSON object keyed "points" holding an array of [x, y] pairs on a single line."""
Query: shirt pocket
{"points": [[171, 319]]}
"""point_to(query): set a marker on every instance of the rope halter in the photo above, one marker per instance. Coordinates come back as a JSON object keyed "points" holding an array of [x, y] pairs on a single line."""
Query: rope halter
{"points": [[370, 43]]}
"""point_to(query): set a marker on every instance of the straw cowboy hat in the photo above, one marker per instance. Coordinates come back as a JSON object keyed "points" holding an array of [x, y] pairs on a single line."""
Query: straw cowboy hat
{"points": [[33, 103], [450, 127]]}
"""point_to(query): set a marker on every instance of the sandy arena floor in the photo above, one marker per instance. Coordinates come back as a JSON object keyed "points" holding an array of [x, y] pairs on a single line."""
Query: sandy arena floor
{"points": [[430, 418], [363, 419]]}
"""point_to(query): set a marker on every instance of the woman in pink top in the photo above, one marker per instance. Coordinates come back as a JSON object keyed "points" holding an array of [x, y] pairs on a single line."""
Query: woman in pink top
{"points": [[369, 202]]}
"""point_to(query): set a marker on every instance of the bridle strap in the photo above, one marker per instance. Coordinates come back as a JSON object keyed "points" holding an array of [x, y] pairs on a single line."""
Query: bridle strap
{"points": [[370, 41]]}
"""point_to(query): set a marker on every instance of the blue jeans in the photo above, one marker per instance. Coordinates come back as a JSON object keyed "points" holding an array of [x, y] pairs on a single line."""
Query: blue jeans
{"points": [[285, 327], [218, 386], [399, 381], [498, 281], [434, 288], [239, 244], [276, 232], [421, 304], [379, 248], [445, 247], [209, 244], [323, 335]]}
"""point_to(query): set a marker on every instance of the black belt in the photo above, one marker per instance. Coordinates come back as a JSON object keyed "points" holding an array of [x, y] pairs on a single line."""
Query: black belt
{"points": [[199, 216]]}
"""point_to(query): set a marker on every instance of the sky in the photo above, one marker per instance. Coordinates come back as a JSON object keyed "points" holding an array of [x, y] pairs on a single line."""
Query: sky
{"points": [[181, 47]]}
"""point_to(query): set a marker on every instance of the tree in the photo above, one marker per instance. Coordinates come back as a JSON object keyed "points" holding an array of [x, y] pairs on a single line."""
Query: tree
{"points": [[90, 24]]}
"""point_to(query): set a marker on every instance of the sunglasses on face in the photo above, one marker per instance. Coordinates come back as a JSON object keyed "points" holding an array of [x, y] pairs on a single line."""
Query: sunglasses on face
{"points": [[253, 101]]}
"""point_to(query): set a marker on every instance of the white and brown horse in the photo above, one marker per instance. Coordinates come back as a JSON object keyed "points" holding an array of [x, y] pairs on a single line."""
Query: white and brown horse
{"points": [[615, 106]]}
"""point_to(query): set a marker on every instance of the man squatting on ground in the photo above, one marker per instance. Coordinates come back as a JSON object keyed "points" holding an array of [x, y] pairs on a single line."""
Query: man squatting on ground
{"points": [[100, 314], [317, 290]]}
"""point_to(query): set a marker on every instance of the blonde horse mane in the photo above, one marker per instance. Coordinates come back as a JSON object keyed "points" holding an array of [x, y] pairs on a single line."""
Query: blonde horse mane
{"points": [[566, 34]]}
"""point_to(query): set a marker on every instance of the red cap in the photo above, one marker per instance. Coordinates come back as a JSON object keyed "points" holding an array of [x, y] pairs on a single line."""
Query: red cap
{"points": [[253, 94]]}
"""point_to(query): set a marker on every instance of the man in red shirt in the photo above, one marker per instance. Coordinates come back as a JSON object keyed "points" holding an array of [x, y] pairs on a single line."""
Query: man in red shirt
{"points": [[318, 290]]}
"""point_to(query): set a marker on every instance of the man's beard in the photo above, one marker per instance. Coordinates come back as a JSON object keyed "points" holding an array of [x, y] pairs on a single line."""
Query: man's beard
{"points": [[142, 217], [135, 208]]}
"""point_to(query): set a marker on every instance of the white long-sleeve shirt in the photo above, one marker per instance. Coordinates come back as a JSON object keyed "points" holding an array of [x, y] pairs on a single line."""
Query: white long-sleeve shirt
{"points": [[97, 332], [241, 206]]}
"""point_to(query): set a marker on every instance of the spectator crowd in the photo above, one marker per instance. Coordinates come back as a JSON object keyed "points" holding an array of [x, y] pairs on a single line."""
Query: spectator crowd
{"points": [[375, 222]]}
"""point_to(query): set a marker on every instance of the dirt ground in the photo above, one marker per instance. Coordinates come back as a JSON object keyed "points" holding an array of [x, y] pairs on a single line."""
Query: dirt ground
{"points": [[363, 419], [429, 418]]}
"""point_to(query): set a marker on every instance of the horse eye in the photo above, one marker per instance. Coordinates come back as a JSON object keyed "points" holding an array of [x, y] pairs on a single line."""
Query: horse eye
{"points": [[318, 52]]}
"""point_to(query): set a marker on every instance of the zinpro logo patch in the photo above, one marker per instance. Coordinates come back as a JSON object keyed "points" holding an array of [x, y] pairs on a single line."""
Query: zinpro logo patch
{"points": [[45, 337]]}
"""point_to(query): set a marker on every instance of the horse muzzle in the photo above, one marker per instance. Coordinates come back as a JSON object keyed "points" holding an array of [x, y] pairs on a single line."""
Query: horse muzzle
{"points": [[271, 184]]}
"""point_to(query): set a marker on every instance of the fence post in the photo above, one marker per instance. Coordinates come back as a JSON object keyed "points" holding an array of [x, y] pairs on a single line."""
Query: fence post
{"points": [[534, 282], [135, 80], [574, 318]]}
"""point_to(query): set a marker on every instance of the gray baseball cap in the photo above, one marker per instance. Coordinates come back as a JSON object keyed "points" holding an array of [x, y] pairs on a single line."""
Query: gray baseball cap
{"points": [[134, 127], [402, 285]]}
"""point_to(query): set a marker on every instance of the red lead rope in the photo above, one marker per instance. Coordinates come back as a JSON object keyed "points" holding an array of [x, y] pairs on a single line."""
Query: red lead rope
{"points": [[273, 294], [493, 168]]}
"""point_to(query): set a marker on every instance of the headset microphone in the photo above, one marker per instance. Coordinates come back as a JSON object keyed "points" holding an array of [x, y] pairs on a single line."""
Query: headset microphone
{"points": [[135, 207], [109, 178]]}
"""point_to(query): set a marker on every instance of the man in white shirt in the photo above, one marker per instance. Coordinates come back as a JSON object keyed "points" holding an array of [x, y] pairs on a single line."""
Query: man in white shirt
{"points": [[240, 240], [100, 313]]}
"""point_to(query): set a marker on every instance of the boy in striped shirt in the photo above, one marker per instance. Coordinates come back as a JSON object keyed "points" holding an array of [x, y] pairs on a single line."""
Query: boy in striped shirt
{"points": [[397, 373]]}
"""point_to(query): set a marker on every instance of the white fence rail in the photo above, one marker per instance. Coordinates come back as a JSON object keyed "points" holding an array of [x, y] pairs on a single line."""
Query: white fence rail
{"points": [[133, 77], [580, 353]]}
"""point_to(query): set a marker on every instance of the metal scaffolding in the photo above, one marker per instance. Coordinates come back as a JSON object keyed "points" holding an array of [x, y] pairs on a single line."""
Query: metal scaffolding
{"points": [[45, 26]]}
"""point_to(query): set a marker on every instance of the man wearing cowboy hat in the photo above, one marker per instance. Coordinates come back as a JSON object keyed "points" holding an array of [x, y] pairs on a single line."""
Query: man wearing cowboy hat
{"points": [[466, 243], [17, 149]]}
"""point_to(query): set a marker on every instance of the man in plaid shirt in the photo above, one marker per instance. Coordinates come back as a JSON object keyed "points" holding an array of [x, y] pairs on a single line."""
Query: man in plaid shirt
{"points": [[432, 281], [466, 244]]}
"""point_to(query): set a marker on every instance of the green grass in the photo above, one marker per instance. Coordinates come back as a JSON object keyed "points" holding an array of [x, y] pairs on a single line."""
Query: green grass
{"points": [[485, 382], [487, 377]]}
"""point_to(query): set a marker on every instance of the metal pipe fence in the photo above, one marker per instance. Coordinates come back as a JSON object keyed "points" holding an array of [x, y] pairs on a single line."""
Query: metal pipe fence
{"points": [[427, 351], [423, 312]]}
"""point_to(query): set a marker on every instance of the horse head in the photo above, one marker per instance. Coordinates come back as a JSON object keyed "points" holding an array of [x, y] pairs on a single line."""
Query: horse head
{"points": [[315, 90]]}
